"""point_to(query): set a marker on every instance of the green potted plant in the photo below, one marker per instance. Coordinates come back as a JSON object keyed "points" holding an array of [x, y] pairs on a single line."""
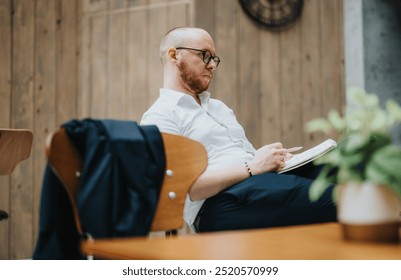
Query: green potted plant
{"points": [[365, 167]]}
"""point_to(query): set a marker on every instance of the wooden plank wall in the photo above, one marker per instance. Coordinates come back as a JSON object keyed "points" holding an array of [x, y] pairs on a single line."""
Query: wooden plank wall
{"points": [[63, 59], [38, 90], [121, 68], [277, 81], [120, 54]]}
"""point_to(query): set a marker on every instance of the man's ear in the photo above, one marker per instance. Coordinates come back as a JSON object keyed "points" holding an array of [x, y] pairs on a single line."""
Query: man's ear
{"points": [[171, 53]]}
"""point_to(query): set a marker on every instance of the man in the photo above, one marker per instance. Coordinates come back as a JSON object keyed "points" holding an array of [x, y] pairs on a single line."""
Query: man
{"points": [[240, 188]]}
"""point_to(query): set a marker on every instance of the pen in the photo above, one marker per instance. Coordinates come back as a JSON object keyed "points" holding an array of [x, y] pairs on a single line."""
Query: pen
{"points": [[294, 149]]}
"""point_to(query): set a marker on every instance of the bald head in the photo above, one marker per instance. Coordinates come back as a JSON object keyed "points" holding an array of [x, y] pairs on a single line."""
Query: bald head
{"points": [[182, 53], [181, 36]]}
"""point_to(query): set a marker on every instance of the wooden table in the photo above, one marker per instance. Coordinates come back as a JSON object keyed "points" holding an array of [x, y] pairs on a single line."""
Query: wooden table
{"points": [[311, 242]]}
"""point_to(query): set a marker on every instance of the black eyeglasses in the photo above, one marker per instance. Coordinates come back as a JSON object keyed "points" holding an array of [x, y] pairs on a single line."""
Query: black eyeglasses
{"points": [[206, 55]]}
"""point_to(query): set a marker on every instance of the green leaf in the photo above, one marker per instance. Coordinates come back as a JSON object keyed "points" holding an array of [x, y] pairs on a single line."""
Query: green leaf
{"points": [[332, 158], [378, 121], [351, 160], [394, 110], [346, 174], [356, 95], [355, 121], [319, 124], [317, 189], [388, 161], [325, 178], [354, 143], [336, 121], [376, 175], [385, 167], [371, 100]]}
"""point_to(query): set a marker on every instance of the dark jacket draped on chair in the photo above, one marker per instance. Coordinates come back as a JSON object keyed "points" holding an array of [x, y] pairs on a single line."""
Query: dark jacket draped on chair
{"points": [[123, 168]]}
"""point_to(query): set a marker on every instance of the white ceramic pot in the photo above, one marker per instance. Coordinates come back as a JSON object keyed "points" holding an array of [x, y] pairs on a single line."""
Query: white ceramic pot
{"points": [[369, 212]]}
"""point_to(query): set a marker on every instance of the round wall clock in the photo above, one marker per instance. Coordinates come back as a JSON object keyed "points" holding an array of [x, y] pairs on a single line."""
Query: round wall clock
{"points": [[274, 14]]}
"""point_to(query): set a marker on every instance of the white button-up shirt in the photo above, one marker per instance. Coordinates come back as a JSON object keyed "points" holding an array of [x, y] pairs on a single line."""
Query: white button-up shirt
{"points": [[212, 123]]}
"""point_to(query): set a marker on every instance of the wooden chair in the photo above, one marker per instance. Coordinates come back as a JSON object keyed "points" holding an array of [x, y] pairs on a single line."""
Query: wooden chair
{"points": [[185, 161], [15, 146]]}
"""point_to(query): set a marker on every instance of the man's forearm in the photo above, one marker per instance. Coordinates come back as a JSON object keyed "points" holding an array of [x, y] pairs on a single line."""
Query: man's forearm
{"points": [[212, 182]]}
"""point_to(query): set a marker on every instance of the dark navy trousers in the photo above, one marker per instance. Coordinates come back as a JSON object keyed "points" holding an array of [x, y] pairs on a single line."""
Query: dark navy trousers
{"points": [[268, 200]]}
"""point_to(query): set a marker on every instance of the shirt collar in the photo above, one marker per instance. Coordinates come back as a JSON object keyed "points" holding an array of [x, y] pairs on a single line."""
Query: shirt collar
{"points": [[204, 98], [176, 96]]}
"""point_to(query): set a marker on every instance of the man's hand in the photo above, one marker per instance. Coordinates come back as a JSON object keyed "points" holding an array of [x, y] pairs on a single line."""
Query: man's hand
{"points": [[270, 157]]}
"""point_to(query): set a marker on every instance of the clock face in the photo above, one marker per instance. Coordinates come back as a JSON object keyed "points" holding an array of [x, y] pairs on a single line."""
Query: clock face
{"points": [[275, 14]]}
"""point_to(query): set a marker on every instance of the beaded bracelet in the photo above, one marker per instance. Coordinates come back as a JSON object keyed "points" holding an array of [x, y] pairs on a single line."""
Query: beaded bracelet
{"points": [[249, 169]]}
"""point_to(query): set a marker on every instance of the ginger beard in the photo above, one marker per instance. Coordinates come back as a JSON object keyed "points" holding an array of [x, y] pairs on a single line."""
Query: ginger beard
{"points": [[194, 82]]}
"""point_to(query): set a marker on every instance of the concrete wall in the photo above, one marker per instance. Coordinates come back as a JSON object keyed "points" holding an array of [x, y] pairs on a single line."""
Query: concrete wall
{"points": [[372, 30]]}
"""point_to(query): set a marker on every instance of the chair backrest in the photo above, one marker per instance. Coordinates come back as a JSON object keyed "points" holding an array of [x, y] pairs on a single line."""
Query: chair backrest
{"points": [[185, 161], [15, 146]]}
